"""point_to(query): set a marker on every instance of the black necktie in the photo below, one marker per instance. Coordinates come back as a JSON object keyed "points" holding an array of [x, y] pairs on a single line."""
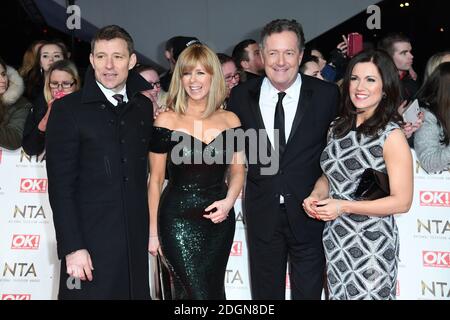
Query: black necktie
{"points": [[119, 98], [279, 123]]}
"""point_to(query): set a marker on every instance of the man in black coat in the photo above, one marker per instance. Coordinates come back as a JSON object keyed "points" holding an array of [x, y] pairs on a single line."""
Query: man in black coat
{"points": [[291, 114], [97, 144]]}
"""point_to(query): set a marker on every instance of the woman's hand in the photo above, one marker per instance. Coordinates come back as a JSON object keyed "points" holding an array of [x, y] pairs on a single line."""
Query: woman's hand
{"points": [[222, 208], [309, 205], [328, 209], [409, 128], [153, 246]]}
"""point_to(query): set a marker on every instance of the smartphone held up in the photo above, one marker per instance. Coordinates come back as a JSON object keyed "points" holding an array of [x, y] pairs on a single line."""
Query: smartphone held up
{"points": [[354, 44]]}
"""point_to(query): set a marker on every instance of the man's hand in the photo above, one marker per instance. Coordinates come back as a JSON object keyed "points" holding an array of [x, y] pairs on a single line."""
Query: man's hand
{"points": [[79, 265]]}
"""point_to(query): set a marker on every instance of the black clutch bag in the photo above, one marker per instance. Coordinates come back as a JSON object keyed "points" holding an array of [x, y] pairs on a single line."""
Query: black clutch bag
{"points": [[373, 185]]}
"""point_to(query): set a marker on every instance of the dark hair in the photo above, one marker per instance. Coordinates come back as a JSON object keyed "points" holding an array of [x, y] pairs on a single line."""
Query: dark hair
{"points": [[280, 25], [224, 58], [2, 106], [169, 43], [36, 76], [436, 93], [386, 110], [387, 42], [2, 63], [307, 59], [143, 67], [113, 32], [240, 54]]}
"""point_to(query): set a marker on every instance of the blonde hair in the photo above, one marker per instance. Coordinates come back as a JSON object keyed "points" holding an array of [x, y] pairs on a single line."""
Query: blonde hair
{"points": [[187, 61], [61, 65], [432, 63]]}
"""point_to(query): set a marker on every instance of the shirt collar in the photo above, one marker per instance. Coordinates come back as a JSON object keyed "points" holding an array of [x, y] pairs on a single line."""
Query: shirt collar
{"points": [[109, 93], [293, 92]]}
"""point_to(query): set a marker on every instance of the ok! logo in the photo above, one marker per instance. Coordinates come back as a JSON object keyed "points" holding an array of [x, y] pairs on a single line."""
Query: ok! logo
{"points": [[15, 296], [436, 259], [236, 249], [435, 198], [33, 185], [25, 241]]}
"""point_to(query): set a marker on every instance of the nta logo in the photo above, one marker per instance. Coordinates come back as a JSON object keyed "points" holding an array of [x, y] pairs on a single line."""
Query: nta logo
{"points": [[433, 226], [232, 276], [436, 289], [20, 269], [29, 212]]}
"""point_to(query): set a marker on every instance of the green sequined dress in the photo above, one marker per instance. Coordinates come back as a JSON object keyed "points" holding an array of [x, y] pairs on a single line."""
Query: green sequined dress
{"points": [[196, 249]]}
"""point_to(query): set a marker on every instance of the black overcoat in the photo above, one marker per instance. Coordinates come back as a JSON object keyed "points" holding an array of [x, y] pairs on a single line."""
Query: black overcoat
{"points": [[97, 180]]}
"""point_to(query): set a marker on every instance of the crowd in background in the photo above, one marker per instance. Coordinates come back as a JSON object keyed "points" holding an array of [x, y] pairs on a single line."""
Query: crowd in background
{"points": [[27, 96]]}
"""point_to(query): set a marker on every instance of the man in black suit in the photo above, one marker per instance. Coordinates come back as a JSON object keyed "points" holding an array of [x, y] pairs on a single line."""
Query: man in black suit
{"points": [[292, 113], [97, 147]]}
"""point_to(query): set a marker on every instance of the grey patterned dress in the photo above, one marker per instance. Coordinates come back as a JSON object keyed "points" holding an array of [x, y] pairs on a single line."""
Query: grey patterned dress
{"points": [[361, 251]]}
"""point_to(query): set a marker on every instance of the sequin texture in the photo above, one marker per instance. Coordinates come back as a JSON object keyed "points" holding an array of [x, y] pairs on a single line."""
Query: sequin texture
{"points": [[195, 248]]}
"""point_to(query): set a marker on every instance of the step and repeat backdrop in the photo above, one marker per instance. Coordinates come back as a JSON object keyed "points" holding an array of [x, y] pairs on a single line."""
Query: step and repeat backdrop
{"points": [[29, 268]]}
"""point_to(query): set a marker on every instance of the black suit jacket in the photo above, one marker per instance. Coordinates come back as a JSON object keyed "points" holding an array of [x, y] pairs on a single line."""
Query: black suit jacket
{"points": [[299, 167]]}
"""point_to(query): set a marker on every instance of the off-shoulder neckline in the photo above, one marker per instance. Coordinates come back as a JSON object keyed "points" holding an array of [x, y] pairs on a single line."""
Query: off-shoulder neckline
{"points": [[188, 134]]}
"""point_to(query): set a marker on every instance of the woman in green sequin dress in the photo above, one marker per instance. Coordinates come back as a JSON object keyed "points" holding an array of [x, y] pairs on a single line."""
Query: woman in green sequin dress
{"points": [[192, 221]]}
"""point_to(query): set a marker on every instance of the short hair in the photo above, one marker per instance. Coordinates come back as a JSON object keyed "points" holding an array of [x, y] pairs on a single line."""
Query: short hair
{"points": [[307, 59], [224, 58], [386, 110], [387, 42], [144, 67], [61, 65], [280, 25], [112, 32], [432, 63], [240, 54], [187, 61]]}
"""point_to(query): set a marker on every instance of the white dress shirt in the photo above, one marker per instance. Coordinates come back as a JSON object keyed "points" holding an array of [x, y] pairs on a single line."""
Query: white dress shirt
{"points": [[109, 94], [267, 102]]}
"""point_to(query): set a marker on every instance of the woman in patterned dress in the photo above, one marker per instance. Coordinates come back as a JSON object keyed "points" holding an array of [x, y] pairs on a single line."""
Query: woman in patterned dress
{"points": [[360, 236]]}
